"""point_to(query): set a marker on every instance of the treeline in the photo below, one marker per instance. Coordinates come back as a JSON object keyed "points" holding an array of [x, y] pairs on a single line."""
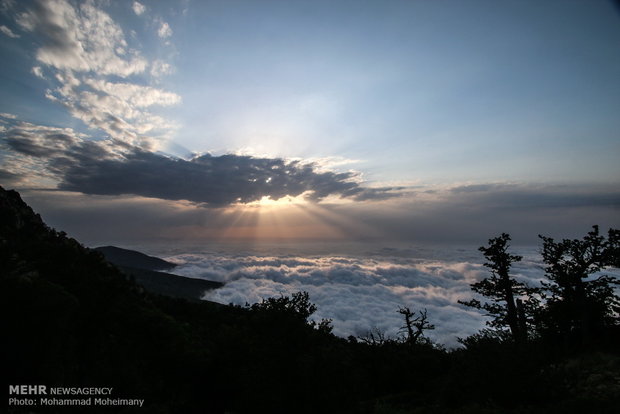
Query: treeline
{"points": [[69, 318], [575, 306]]}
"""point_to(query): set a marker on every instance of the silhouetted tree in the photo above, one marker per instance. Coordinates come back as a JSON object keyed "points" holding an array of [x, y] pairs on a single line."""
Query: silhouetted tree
{"points": [[297, 306], [576, 303], [506, 307], [415, 326], [375, 336]]}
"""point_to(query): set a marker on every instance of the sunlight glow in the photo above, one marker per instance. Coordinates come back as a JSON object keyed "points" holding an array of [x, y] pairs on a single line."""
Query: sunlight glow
{"points": [[286, 218], [267, 201]]}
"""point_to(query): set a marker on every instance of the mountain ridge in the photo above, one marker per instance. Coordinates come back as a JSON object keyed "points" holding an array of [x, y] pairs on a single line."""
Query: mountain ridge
{"points": [[146, 271], [133, 258]]}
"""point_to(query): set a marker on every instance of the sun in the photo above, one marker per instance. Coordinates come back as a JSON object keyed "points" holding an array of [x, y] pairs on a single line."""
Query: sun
{"points": [[267, 201]]}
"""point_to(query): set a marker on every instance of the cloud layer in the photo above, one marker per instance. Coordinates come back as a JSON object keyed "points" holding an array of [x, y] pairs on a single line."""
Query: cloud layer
{"points": [[360, 292]]}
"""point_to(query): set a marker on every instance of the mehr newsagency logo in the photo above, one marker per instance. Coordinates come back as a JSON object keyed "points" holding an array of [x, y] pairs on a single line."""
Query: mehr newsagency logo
{"points": [[42, 396]]}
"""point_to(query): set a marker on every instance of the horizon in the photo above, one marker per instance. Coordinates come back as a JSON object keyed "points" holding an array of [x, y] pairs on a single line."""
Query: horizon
{"points": [[357, 286], [385, 122]]}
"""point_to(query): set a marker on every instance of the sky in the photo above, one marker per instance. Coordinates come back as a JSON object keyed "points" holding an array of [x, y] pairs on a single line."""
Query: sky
{"points": [[385, 121]]}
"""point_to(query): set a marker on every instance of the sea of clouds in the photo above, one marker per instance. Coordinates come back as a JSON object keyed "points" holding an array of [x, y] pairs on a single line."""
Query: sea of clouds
{"points": [[359, 288]]}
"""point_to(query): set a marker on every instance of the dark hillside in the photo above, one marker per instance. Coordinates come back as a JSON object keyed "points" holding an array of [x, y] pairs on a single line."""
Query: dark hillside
{"points": [[71, 319], [170, 285], [132, 258], [143, 269]]}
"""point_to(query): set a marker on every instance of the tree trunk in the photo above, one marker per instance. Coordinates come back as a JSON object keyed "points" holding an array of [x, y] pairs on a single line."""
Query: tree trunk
{"points": [[522, 320], [511, 310]]}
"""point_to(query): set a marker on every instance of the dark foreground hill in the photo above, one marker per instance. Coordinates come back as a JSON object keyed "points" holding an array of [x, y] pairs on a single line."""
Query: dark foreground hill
{"points": [[143, 269], [170, 285], [71, 319]]}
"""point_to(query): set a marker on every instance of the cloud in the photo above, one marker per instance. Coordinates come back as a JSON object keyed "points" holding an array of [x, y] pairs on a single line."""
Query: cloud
{"points": [[515, 197], [138, 8], [399, 228], [30, 150], [8, 32], [7, 176], [26, 150], [216, 181], [361, 291], [6, 6], [160, 68], [80, 40], [87, 53], [102, 105], [523, 210], [38, 72], [41, 143], [164, 30], [480, 188], [112, 167], [63, 159], [132, 95], [69, 161], [357, 292]]}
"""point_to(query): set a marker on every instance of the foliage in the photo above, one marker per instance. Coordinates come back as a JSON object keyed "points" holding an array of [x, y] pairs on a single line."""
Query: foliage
{"points": [[298, 306], [510, 301], [486, 337], [579, 304]]}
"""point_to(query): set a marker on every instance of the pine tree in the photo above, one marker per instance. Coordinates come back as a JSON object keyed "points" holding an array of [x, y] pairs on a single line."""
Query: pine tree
{"points": [[505, 304], [579, 305]]}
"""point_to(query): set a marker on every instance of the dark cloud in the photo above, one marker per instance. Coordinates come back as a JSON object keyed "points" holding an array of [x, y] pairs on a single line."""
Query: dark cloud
{"points": [[512, 196], [213, 180], [479, 188], [114, 167], [522, 210], [41, 143], [7, 175]]}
